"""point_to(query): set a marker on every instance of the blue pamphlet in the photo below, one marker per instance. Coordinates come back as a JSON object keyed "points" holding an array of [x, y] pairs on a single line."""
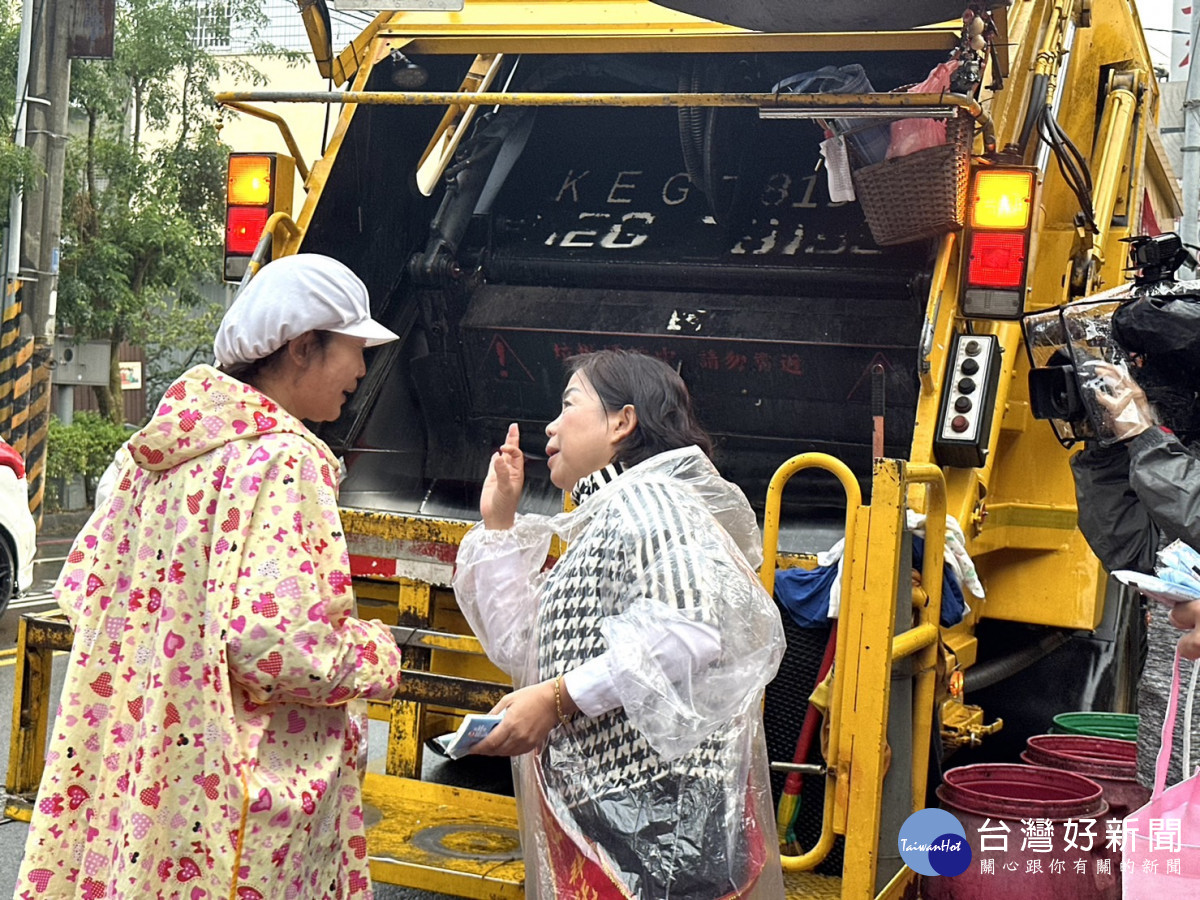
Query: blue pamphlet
{"points": [[474, 728], [1164, 592]]}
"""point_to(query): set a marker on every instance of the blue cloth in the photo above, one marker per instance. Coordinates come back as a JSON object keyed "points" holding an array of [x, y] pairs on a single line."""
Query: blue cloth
{"points": [[954, 607], [804, 593]]}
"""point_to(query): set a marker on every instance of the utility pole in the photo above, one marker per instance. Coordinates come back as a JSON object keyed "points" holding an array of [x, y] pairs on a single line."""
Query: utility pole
{"points": [[1189, 231], [49, 81], [49, 87]]}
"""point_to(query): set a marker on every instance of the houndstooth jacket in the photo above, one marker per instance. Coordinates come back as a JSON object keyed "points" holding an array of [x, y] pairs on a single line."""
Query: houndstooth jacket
{"points": [[663, 783]]}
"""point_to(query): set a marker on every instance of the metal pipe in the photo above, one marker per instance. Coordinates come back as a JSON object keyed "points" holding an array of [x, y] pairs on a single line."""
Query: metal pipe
{"points": [[856, 103], [929, 615], [1113, 139], [288, 139], [1189, 230], [818, 852], [771, 514], [916, 638], [266, 242], [933, 304], [1042, 158], [1048, 52], [799, 768], [12, 261], [864, 105]]}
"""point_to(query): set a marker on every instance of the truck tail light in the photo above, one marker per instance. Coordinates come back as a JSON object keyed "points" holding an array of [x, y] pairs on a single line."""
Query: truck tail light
{"points": [[997, 260], [258, 185], [997, 239], [243, 227]]}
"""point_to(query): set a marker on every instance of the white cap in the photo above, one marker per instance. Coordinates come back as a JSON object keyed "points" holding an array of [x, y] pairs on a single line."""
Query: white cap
{"points": [[291, 296]]}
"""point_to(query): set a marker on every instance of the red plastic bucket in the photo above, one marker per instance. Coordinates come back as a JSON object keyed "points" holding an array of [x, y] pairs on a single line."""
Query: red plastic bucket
{"points": [[1007, 812], [1112, 764]]}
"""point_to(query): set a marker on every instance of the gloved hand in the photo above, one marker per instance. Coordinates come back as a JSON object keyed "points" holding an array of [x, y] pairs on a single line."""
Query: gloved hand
{"points": [[1128, 411]]}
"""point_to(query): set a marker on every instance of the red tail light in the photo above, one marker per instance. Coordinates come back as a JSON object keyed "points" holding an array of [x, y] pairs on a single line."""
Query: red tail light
{"points": [[997, 260], [243, 227]]}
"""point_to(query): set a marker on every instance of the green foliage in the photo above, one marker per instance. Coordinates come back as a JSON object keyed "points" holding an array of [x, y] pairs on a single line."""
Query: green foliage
{"points": [[182, 338], [83, 448], [143, 221]]}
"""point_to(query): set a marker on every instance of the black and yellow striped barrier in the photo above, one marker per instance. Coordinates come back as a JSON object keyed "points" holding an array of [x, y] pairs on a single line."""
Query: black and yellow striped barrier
{"points": [[24, 397]]}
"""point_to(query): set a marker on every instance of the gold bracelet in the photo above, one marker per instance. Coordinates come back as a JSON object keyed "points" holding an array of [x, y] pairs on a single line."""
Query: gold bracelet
{"points": [[558, 701]]}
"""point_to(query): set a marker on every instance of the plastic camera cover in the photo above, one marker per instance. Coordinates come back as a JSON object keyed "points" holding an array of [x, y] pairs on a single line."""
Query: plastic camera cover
{"points": [[1090, 340], [1079, 334]]}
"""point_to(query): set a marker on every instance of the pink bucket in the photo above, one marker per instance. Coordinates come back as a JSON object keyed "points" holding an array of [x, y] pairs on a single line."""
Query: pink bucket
{"points": [[1112, 764], [1005, 810]]}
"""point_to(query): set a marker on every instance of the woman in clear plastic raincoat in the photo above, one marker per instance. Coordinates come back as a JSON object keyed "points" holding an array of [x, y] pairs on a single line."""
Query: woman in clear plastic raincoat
{"points": [[639, 659]]}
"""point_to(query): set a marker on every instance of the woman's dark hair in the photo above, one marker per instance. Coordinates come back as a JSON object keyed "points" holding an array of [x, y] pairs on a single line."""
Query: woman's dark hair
{"points": [[250, 372], [665, 420]]}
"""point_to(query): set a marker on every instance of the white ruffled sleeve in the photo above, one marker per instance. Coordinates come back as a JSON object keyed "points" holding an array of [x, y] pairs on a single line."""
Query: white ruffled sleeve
{"points": [[496, 580]]}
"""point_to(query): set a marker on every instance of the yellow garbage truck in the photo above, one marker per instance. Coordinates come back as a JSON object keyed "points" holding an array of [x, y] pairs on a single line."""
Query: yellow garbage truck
{"points": [[830, 218]]}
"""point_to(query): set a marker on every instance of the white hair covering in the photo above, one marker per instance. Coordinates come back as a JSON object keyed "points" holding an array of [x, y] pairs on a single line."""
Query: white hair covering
{"points": [[291, 296]]}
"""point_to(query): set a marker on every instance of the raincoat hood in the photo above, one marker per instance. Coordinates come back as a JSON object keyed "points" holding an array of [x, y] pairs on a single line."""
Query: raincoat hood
{"points": [[689, 466], [203, 410]]}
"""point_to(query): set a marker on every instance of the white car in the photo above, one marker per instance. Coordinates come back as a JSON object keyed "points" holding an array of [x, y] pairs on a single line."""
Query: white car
{"points": [[18, 532]]}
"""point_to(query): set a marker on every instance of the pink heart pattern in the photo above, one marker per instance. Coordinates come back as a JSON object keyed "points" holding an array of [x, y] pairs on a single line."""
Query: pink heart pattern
{"points": [[225, 501]]}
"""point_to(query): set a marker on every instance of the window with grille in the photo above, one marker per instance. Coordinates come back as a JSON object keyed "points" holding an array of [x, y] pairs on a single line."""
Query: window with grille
{"points": [[212, 24]]}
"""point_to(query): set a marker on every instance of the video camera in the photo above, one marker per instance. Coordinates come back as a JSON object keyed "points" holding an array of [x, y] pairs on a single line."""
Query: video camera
{"points": [[1150, 329]]}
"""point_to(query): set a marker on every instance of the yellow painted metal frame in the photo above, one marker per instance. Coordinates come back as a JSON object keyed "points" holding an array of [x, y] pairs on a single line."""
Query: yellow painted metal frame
{"points": [[863, 690], [648, 41], [813, 857], [1116, 127], [862, 685], [405, 747], [450, 131], [38, 639], [922, 639], [288, 137], [859, 706], [626, 26], [901, 103]]}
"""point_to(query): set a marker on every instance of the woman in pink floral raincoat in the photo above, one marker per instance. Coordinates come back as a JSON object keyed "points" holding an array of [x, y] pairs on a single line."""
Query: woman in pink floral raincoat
{"points": [[203, 748]]}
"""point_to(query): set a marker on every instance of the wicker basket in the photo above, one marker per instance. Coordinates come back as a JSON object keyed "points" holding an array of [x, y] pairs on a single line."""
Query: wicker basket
{"points": [[921, 195]]}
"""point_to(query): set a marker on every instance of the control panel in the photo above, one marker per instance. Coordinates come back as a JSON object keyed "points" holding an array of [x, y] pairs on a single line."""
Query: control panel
{"points": [[968, 401]]}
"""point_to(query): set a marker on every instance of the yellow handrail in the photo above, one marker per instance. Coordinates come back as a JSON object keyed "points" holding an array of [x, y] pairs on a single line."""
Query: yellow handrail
{"points": [[919, 641], [820, 850], [284, 130], [831, 464], [922, 638], [818, 105], [266, 242]]}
